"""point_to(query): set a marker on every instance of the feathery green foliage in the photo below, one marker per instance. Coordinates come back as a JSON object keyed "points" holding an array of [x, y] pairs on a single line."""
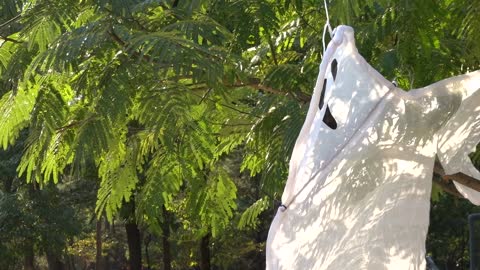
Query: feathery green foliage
{"points": [[249, 217], [156, 94]]}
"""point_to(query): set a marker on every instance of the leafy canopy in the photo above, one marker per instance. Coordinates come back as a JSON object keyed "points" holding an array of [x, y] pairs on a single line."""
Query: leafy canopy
{"points": [[155, 94]]}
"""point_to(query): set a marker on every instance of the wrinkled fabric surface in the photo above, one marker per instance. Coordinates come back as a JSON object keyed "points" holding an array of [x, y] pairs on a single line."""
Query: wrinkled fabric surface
{"points": [[358, 191]]}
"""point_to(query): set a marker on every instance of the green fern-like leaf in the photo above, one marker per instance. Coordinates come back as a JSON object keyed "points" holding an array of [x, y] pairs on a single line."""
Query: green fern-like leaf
{"points": [[6, 49], [164, 178], [214, 202], [249, 217], [118, 173], [45, 145], [15, 109], [44, 21]]}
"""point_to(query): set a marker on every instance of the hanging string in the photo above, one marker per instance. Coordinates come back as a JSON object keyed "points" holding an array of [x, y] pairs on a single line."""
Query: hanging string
{"points": [[328, 17], [327, 26]]}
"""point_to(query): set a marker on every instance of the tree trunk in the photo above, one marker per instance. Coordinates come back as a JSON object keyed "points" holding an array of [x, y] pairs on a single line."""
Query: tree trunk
{"points": [[99, 265], [147, 254], [106, 259], [29, 259], [205, 252], [134, 239], [167, 257], [134, 245], [54, 262], [7, 185]]}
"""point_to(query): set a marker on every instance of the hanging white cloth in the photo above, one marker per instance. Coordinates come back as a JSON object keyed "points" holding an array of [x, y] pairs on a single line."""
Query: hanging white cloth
{"points": [[358, 191]]}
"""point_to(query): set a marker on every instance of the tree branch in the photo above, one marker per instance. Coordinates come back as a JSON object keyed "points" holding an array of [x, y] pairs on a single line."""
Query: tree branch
{"points": [[448, 187], [10, 39], [122, 43], [74, 124], [460, 178], [265, 88], [466, 180], [116, 38], [272, 50], [256, 84], [253, 82], [224, 105]]}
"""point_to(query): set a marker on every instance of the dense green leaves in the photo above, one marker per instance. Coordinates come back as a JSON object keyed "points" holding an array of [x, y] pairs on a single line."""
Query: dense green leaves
{"points": [[123, 84], [213, 202], [154, 98]]}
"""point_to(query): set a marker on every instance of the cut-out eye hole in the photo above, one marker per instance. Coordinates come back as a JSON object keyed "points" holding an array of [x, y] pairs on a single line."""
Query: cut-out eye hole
{"points": [[329, 120], [322, 95], [333, 68]]}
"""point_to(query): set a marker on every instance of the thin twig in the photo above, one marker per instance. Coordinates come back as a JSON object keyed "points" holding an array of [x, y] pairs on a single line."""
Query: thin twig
{"points": [[228, 125], [205, 95], [124, 44], [75, 124], [10, 21], [139, 24], [255, 83], [225, 105], [10, 39], [116, 38], [131, 17], [267, 89], [302, 18], [272, 50]]}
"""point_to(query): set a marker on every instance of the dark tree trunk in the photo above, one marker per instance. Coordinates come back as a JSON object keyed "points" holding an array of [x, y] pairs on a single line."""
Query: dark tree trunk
{"points": [[134, 239], [147, 254], [167, 257], [106, 259], [99, 265], [134, 245], [7, 185], [29, 259], [54, 262], [205, 252], [70, 261]]}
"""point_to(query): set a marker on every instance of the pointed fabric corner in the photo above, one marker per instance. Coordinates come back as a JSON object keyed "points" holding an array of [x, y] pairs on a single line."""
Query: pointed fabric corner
{"points": [[460, 135], [360, 175]]}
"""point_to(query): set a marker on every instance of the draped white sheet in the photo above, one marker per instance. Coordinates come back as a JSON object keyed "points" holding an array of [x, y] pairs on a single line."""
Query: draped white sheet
{"points": [[357, 195]]}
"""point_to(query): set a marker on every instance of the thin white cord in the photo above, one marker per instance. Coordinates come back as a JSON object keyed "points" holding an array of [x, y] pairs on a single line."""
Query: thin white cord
{"points": [[328, 17], [323, 38], [327, 26]]}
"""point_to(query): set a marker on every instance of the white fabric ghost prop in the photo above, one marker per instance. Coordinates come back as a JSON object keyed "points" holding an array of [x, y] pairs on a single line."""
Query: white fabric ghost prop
{"points": [[358, 191]]}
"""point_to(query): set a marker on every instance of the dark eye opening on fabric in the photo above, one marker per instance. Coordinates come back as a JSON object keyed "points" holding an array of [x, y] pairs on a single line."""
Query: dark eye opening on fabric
{"points": [[322, 95], [329, 120], [333, 68]]}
